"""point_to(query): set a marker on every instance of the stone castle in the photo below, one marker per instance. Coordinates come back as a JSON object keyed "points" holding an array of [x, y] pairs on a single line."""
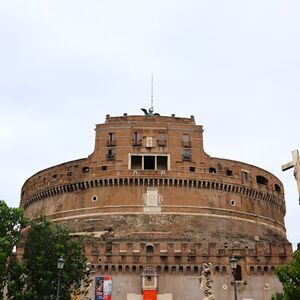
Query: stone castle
{"points": [[153, 207]]}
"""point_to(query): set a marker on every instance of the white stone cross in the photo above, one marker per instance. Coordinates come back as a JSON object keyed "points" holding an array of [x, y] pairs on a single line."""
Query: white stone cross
{"points": [[296, 165]]}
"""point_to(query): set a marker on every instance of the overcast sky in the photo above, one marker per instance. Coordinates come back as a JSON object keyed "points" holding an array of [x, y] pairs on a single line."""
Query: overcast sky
{"points": [[234, 65]]}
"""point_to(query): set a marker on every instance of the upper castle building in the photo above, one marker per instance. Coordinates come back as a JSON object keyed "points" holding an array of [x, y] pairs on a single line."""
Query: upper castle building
{"points": [[153, 207]]}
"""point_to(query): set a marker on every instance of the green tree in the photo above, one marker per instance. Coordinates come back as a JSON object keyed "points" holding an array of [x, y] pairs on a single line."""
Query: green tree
{"points": [[12, 220], [289, 276], [45, 244]]}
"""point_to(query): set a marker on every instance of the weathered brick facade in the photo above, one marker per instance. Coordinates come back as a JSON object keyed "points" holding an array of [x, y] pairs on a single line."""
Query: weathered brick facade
{"points": [[150, 195]]}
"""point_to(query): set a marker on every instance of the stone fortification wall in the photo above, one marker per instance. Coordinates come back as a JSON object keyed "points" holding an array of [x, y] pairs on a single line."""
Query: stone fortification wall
{"points": [[150, 195]]}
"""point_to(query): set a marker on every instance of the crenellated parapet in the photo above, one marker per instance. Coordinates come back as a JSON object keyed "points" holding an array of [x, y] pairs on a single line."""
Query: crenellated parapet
{"points": [[185, 258]]}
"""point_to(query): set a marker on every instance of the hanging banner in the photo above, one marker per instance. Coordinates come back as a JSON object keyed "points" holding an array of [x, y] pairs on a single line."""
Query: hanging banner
{"points": [[103, 288]]}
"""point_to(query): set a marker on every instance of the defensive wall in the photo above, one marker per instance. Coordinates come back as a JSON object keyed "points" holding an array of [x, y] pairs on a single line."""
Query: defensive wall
{"points": [[149, 195]]}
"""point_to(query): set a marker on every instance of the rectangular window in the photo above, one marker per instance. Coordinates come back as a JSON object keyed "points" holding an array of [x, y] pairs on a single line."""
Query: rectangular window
{"points": [[137, 139], [149, 162], [187, 154], [192, 169], [245, 175], [111, 139], [136, 162], [162, 163], [186, 142], [161, 141], [111, 153]]}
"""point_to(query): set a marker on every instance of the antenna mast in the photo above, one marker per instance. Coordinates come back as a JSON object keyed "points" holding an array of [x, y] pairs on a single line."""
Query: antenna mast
{"points": [[151, 108]]}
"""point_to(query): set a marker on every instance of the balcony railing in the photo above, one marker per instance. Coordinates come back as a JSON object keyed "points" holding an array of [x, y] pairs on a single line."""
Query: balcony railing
{"points": [[110, 143], [137, 142], [186, 144], [161, 143]]}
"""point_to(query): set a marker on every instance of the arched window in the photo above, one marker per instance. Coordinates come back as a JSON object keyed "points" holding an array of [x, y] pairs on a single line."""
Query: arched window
{"points": [[238, 273], [149, 249], [261, 180], [277, 188]]}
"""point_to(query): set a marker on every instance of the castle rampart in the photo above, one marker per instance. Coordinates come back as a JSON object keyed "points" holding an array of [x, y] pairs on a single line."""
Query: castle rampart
{"points": [[149, 195]]}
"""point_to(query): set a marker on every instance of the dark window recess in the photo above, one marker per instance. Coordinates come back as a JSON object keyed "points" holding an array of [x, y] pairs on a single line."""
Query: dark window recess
{"points": [[186, 142], [187, 154], [161, 141], [277, 188], [69, 173], [192, 169], [162, 163], [111, 139], [238, 273], [103, 168], [54, 176], [212, 170], [149, 162], [229, 173], [261, 180], [136, 162], [245, 175], [85, 169], [137, 139], [111, 154], [149, 249]]}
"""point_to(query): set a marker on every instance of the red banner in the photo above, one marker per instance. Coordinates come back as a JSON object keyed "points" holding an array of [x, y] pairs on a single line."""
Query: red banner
{"points": [[149, 294]]}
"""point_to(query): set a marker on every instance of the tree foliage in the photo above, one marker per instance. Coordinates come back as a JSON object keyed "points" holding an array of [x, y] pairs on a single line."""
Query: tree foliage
{"points": [[289, 276], [35, 277], [12, 220]]}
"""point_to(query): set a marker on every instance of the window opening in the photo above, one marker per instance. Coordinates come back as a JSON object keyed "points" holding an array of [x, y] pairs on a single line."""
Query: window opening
{"points": [[136, 162], [245, 175], [111, 139], [111, 154], [261, 180], [229, 172], [192, 169], [161, 139], [85, 169], [277, 188], [69, 173], [162, 163], [238, 273], [137, 139], [212, 170], [104, 168], [186, 140], [187, 154], [149, 162], [149, 249]]}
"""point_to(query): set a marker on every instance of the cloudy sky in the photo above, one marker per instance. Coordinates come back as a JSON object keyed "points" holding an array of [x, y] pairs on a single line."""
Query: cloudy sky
{"points": [[234, 65]]}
